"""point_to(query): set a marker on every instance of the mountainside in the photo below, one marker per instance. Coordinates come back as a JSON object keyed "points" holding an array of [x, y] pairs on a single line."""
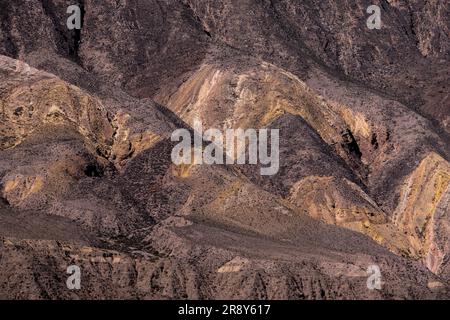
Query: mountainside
{"points": [[87, 178]]}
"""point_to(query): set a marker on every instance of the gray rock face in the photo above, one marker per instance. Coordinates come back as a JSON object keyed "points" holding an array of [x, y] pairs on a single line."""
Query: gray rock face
{"points": [[86, 176]]}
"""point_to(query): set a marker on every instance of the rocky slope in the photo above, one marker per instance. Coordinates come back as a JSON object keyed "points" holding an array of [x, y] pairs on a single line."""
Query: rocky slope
{"points": [[86, 176]]}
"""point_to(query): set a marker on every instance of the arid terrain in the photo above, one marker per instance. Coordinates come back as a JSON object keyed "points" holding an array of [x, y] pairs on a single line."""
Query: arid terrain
{"points": [[87, 179]]}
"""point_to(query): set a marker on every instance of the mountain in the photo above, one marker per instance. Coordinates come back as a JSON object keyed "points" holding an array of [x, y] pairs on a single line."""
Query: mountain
{"points": [[87, 179]]}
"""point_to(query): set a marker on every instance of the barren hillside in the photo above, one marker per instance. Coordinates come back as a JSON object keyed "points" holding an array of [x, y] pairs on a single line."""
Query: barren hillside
{"points": [[87, 179]]}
